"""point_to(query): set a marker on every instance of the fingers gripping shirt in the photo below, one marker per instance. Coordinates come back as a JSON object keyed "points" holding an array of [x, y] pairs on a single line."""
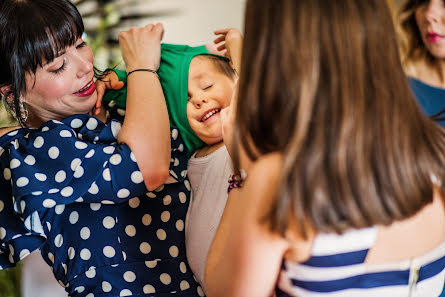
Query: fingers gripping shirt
{"points": [[71, 190]]}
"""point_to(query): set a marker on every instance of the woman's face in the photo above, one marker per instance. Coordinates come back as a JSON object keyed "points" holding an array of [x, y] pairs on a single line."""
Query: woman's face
{"points": [[62, 87], [430, 18]]}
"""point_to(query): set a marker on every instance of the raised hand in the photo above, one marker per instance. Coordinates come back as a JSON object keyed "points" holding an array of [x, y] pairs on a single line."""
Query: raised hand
{"points": [[230, 43]]}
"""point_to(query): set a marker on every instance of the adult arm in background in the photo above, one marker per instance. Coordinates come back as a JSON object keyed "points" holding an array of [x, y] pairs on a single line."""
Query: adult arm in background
{"points": [[146, 128]]}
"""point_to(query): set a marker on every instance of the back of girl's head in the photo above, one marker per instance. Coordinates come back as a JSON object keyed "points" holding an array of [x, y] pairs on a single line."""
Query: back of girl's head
{"points": [[321, 82], [33, 33]]}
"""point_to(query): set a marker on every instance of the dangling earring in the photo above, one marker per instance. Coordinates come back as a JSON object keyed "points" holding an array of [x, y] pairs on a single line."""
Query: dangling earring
{"points": [[23, 111]]}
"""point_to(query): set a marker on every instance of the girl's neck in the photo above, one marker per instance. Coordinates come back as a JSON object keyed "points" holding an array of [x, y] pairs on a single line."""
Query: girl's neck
{"points": [[208, 149], [431, 73]]}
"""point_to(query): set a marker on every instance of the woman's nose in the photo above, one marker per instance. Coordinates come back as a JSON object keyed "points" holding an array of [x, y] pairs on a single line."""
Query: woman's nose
{"points": [[433, 9], [85, 65]]}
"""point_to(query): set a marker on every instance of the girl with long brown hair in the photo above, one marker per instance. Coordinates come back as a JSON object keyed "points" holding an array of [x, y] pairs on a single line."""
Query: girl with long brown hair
{"points": [[345, 196]]}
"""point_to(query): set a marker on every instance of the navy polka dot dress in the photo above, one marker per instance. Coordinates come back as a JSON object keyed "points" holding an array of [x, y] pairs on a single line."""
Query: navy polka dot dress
{"points": [[69, 189]]}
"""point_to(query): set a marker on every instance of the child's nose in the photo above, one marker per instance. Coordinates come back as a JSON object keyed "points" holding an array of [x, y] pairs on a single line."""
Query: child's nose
{"points": [[200, 102]]}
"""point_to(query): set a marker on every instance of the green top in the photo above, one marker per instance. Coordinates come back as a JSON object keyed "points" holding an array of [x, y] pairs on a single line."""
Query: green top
{"points": [[173, 74]]}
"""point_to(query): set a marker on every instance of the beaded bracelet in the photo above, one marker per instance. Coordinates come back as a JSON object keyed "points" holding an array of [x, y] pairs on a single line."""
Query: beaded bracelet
{"points": [[236, 180], [144, 69]]}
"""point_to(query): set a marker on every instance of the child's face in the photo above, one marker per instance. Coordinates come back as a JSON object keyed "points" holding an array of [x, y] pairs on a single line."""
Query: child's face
{"points": [[209, 91]]}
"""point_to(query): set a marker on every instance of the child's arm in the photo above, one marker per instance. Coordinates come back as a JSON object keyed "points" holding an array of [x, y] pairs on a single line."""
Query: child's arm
{"points": [[230, 41], [110, 80], [245, 257], [146, 128]]}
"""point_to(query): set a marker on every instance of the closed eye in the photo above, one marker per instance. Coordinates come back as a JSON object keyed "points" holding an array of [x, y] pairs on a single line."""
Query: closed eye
{"points": [[208, 87], [81, 45], [60, 69]]}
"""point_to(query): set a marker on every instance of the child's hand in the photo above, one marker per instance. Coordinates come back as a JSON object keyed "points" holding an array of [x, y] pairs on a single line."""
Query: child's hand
{"points": [[230, 42], [108, 81]]}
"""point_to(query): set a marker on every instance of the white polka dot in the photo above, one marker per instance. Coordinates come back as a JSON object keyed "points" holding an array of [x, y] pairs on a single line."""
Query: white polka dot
{"points": [[125, 292], [85, 254], [123, 193], [14, 164], [58, 241], [37, 193], [165, 279], [182, 197], [53, 152], [187, 184], [48, 203], [85, 233], [106, 287], [80, 199], [51, 257], [94, 189], [136, 177], [67, 191], [75, 163], [65, 133], [115, 159], [78, 173], [106, 174], [30, 160], [22, 206], [108, 150], [165, 216], [145, 248], [71, 253], [121, 111], [151, 264], [95, 206], [180, 225], [109, 251], [22, 181], [160, 188], [134, 202], [174, 251], [149, 289], [80, 145], [74, 217], [48, 224], [176, 163], [132, 157], [107, 202], [53, 191], [24, 253], [59, 209], [7, 173], [183, 267], [90, 154], [167, 200], [146, 219], [90, 295], [91, 273], [161, 234], [38, 142], [184, 285], [108, 222], [40, 176], [60, 176], [92, 124], [151, 195], [129, 276], [174, 134], [2, 206], [200, 291], [124, 255], [76, 123], [130, 230], [115, 128]]}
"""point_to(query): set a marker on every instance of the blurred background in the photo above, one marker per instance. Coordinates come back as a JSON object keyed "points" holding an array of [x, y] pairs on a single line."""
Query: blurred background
{"points": [[186, 22]]}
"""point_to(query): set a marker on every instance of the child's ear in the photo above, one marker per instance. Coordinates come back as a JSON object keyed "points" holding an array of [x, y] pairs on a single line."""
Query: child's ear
{"points": [[5, 91]]}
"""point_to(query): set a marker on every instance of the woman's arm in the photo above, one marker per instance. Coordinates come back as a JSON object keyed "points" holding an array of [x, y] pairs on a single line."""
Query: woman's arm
{"points": [[146, 128], [245, 257]]}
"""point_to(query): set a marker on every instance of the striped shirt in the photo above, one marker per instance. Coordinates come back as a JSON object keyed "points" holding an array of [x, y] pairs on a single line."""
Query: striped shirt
{"points": [[337, 268]]}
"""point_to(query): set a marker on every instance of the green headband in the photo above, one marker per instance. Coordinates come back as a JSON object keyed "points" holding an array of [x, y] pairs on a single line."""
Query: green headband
{"points": [[173, 74]]}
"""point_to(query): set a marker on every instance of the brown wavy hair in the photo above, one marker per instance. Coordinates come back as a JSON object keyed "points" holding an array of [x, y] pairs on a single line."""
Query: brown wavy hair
{"points": [[322, 83]]}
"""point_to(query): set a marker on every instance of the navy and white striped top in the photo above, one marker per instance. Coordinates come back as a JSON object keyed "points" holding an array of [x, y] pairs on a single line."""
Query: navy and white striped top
{"points": [[336, 268]]}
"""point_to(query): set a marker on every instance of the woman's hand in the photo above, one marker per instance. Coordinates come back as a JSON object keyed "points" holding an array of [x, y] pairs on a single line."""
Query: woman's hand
{"points": [[108, 81], [230, 42], [141, 46]]}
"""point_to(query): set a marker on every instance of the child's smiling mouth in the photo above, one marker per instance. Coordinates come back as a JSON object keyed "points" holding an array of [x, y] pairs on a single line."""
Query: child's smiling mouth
{"points": [[209, 113]]}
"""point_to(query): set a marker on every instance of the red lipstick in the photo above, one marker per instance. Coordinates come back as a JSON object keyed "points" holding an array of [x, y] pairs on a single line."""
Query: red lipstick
{"points": [[434, 37], [87, 90]]}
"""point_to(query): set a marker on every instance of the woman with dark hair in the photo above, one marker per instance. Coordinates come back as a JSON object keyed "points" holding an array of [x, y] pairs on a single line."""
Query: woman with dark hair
{"points": [[345, 196], [89, 194], [422, 41]]}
